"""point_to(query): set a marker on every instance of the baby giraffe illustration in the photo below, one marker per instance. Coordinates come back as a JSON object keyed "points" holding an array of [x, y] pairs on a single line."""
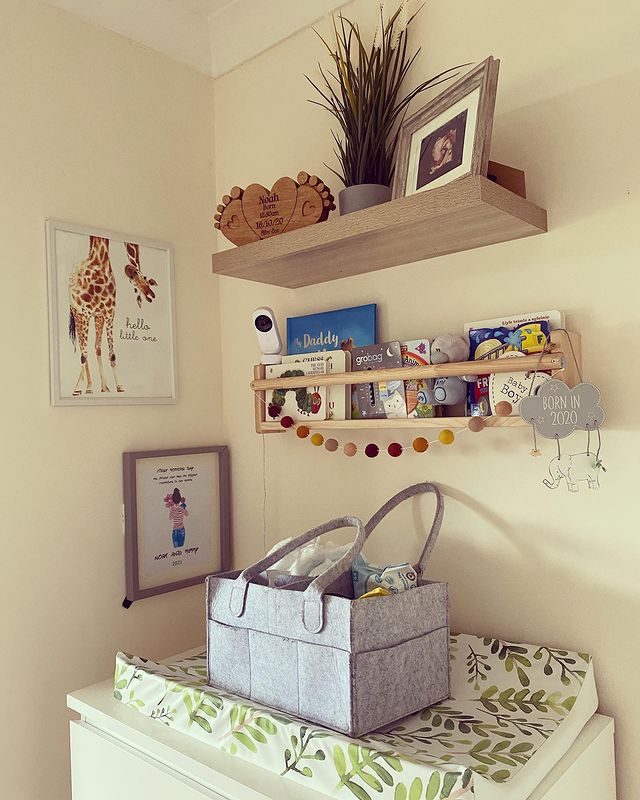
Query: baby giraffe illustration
{"points": [[92, 294]]}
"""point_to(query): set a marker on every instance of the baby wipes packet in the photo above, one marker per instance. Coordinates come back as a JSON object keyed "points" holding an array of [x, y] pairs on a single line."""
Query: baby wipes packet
{"points": [[395, 578]]}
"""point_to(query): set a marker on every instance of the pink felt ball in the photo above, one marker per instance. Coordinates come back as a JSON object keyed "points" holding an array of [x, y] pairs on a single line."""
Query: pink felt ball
{"points": [[350, 449], [503, 409], [331, 445], [475, 424]]}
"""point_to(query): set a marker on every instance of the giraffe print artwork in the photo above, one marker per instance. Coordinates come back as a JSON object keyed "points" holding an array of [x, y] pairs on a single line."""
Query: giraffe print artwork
{"points": [[119, 330]]}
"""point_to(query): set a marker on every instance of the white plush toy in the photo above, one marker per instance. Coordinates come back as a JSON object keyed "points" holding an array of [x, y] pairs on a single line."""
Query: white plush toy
{"points": [[445, 349]]}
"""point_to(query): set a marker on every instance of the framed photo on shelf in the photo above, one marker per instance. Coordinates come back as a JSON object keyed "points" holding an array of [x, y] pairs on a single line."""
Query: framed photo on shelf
{"points": [[450, 137], [177, 518], [111, 317]]}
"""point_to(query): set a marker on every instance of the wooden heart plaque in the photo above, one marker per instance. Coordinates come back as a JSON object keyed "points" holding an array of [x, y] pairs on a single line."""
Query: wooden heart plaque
{"points": [[255, 213]]}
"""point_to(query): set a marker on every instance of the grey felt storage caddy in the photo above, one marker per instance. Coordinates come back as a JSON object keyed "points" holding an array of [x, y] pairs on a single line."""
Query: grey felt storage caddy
{"points": [[309, 649]]}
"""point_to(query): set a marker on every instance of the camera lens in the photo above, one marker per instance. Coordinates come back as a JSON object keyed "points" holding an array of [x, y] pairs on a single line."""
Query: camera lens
{"points": [[263, 323]]}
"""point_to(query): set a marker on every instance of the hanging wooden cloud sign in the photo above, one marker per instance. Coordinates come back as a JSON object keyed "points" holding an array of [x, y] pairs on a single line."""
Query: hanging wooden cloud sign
{"points": [[556, 410], [255, 213]]}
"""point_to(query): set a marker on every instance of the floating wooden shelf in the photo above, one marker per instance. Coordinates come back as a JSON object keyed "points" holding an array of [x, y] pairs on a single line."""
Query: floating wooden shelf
{"points": [[463, 215], [564, 362]]}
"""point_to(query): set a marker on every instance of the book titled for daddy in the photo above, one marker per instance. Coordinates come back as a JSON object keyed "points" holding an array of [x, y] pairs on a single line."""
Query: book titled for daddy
{"points": [[342, 329]]}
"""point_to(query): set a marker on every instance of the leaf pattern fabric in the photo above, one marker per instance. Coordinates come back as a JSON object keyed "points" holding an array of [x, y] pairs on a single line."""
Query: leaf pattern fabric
{"points": [[507, 700]]}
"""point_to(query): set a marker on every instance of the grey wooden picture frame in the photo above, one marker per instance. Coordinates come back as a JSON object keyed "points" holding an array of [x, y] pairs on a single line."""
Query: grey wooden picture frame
{"points": [[129, 463], [485, 77]]}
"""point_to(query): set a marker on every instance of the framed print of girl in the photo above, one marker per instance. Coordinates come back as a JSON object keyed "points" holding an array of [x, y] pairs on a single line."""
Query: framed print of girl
{"points": [[164, 551]]}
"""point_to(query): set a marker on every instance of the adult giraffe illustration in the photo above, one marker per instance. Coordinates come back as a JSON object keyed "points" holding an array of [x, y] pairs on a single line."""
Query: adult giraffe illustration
{"points": [[92, 294]]}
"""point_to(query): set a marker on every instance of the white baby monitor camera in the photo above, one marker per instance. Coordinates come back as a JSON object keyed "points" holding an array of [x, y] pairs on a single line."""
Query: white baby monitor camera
{"points": [[266, 327]]}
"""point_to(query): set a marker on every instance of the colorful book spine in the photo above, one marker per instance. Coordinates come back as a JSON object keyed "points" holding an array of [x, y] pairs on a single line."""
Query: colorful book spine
{"points": [[384, 400], [417, 353]]}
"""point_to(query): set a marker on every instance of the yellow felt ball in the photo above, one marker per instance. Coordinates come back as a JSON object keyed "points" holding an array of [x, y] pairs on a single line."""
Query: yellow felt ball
{"points": [[302, 431], [317, 439], [420, 445], [446, 436]]}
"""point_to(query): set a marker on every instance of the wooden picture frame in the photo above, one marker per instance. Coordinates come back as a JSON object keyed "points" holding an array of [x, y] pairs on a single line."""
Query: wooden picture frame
{"points": [[171, 542], [111, 317], [450, 137]]}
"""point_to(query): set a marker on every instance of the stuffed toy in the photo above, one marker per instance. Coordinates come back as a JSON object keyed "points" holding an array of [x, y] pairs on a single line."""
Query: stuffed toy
{"points": [[445, 349]]}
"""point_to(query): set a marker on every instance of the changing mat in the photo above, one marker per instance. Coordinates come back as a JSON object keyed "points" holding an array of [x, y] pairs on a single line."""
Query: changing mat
{"points": [[515, 710]]}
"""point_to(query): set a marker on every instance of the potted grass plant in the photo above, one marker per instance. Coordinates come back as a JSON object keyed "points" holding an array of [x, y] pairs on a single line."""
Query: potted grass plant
{"points": [[365, 93]]}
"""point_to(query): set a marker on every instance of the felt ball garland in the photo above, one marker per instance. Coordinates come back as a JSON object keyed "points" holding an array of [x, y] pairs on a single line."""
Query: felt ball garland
{"points": [[419, 444]]}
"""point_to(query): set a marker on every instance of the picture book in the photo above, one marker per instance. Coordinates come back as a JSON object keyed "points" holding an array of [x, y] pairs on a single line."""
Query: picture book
{"points": [[554, 319], [494, 342], [342, 329], [338, 397], [416, 353], [304, 403], [379, 400]]}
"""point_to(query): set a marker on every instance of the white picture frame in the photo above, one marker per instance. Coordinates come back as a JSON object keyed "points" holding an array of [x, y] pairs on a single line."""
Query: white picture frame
{"points": [[125, 283]]}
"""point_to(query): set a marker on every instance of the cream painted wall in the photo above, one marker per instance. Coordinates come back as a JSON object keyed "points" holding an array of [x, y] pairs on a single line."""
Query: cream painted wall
{"points": [[94, 130], [523, 563]]}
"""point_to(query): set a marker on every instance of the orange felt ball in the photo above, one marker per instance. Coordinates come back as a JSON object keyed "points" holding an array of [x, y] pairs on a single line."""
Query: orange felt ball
{"points": [[476, 424], [503, 409], [317, 439], [350, 449], [420, 445], [302, 431], [446, 436], [331, 445]]}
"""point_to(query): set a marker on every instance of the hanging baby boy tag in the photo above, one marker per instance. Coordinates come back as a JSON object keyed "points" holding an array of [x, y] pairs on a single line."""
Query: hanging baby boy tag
{"points": [[513, 387], [556, 410]]}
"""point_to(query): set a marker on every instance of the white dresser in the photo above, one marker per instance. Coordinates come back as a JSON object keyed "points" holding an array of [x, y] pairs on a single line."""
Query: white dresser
{"points": [[118, 753]]}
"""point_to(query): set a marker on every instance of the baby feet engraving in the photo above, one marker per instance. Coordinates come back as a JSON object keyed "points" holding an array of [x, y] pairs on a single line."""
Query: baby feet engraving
{"points": [[230, 219], [314, 203]]}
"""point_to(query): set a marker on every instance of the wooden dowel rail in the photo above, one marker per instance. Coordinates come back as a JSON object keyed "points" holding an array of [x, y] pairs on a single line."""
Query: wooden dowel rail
{"points": [[455, 423], [553, 361]]}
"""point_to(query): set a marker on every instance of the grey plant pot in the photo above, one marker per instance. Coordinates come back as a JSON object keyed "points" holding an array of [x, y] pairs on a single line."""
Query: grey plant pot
{"points": [[364, 195]]}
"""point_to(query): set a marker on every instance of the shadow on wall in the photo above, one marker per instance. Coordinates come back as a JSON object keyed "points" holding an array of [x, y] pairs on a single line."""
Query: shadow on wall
{"points": [[574, 150], [576, 583]]}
